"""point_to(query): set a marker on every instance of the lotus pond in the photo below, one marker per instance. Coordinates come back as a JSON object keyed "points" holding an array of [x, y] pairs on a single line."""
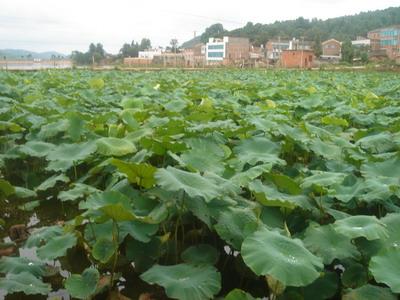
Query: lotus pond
{"points": [[199, 185]]}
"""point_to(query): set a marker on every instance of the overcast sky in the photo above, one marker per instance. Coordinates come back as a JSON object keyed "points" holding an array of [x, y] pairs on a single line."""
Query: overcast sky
{"points": [[42, 25]]}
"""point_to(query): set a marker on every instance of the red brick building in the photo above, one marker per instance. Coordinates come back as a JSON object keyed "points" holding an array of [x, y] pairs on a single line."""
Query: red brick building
{"points": [[297, 59]]}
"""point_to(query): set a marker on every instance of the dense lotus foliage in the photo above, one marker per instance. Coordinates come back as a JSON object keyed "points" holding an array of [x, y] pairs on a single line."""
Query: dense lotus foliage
{"points": [[200, 185]]}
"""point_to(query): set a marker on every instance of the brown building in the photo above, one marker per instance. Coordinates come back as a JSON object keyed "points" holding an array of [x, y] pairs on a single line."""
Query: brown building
{"points": [[331, 49], [297, 59], [137, 61], [227, 50], [238, 49], [385, 41]]}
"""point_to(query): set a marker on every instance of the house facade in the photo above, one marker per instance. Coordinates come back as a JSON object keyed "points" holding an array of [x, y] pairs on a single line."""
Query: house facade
{"points": [[302, 59], [331, 49]]}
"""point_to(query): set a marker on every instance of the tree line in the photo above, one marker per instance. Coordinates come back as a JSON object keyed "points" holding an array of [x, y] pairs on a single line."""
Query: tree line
{"points": [[97, 54]]}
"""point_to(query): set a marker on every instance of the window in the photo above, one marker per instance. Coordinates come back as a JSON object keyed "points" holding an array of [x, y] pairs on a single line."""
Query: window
{"points": [[215, 54], [215, 47]]}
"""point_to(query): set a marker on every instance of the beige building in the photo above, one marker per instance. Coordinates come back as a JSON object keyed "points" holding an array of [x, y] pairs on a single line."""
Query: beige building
{"points": [[331, 49]]}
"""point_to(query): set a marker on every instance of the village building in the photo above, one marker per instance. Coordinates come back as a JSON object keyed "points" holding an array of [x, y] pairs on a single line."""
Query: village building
{"points": [[302, 59], [385, 42], [227, 50], [331, 49]]}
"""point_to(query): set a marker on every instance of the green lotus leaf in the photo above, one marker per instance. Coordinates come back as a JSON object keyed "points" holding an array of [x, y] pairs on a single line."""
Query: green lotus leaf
{"points": [[16, 265], [270, 253], [41, 235], [258, 149], [198, 160], [200, 254], [377, 143], [78, 191], [354, 275], [109, 205], [24, 282], [29, 206], [128, 117], [111, 146], [57, 246], [270, 196], [285, 184], [369, 292], [71, 152], [362, 226], [131, 103], [389, 168], [350, 188], [22, 192], [235, 224], [185, 281], [332, 120], [84, 285], [385, 267], [11, 126], [118, 212], [98, 200], [243, 178], [327, 150], [172, 179], [96, 83], [51, 182], [176, 105], [52, 129], [328, 244], [37, 148], [140, 174], [103, 249], [325, 287], [204, 155], [75, 126], [6, 188], [322, 179], [237, 294], [138, 230], [392, 222]]}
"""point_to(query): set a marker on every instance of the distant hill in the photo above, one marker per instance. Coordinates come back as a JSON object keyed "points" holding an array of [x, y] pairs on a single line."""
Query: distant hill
{"points": [[341, 28], [20, 53], [189, 44]]}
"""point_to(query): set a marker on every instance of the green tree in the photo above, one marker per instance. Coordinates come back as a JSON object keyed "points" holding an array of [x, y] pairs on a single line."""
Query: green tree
{"points": [[95, 53], [216, 30], [174, 45], [347, 51], [145, 44]]}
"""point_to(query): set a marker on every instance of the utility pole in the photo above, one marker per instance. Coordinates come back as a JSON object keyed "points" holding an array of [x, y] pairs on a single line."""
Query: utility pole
{"points": [[302, 51]]}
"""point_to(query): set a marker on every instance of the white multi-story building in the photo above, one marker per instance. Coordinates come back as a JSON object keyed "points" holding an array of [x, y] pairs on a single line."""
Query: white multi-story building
{"points": [[361, 42], [216, 49], [150, 53]]}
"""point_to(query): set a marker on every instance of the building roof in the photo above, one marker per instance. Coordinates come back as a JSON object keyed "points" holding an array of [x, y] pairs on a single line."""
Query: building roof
{"points": [[331, 40], [298, 50], [383, 28]]}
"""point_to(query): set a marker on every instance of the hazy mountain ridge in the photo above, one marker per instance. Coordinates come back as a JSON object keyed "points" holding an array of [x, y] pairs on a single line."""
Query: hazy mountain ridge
{"points": [[21, 53]]}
